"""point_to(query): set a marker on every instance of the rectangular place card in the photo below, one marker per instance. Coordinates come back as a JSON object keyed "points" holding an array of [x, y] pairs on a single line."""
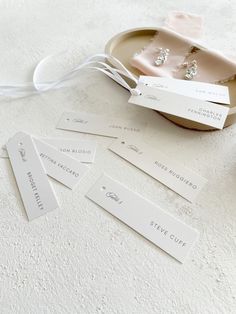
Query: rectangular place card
{"points": [[99, 125], [200, 90], [181, 106], [62, 167], [36, 192], [83, 150], [149, 220], [173, 174]]}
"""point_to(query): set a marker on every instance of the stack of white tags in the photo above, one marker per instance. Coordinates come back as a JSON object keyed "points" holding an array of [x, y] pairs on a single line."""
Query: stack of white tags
{"points": [[32, 159], [196, 101]]}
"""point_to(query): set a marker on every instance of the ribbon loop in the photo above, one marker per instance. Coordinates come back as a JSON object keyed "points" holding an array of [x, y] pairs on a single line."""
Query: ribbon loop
{"points": [[117, 74]]}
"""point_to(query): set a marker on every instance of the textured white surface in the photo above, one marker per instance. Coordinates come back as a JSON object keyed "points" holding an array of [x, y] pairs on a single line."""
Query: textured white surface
{"points": [[80, 259]]}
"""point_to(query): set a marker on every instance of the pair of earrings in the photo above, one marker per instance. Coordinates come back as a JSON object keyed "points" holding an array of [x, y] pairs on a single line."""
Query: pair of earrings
{"points": [[191, 67]]}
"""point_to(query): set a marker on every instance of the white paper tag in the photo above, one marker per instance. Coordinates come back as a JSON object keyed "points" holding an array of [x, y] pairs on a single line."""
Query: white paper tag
{"points": [[199, 90], [65, 169], [174, 175], [100, 125], [149, 220], [83, 150], [36, 192], [181, 106]]}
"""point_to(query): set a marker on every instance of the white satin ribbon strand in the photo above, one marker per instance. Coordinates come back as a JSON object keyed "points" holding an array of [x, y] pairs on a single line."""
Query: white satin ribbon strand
{"points": [[116, 73]]}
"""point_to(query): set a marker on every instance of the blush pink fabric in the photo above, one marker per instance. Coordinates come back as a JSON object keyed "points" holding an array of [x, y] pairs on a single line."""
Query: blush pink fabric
{"points": [[178, 35], [186, 24]]}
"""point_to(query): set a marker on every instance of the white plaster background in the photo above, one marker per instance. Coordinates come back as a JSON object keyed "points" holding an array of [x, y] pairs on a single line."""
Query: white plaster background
{"points": [[79, 259]]}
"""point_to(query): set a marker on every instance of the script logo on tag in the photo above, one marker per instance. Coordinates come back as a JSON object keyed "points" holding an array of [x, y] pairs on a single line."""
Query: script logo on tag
{"points": [[160, 86], [152, 97], [80, 121], [114, 197], [135, 149], [22, 154]]}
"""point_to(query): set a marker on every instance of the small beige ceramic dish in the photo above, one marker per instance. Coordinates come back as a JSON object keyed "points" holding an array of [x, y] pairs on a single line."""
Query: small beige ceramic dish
{"points": [[124, 45]]}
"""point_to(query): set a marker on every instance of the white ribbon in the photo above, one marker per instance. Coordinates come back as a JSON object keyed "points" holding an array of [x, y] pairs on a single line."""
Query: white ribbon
{"points": [[116, 73]]}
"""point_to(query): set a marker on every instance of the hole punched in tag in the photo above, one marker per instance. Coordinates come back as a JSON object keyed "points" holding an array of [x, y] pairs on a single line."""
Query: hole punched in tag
{"points": [[103, 188], [135, 92]]}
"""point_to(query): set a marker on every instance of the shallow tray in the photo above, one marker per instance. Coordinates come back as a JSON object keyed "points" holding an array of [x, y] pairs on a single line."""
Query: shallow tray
{"points": [[125, 44]]}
